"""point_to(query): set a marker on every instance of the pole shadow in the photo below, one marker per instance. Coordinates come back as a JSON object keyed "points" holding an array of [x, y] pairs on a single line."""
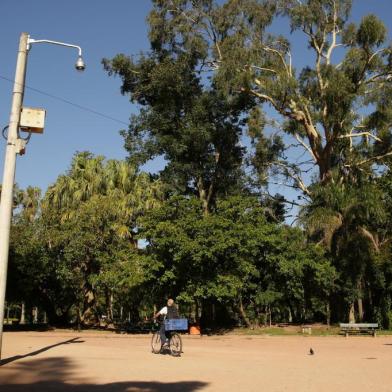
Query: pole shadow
{"points": [[57, 375], [126, 386], [41, 350]]}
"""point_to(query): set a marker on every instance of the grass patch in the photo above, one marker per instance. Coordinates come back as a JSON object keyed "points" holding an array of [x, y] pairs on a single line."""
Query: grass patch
{"points": [[296, 330], [384, 332], [274, 331]]}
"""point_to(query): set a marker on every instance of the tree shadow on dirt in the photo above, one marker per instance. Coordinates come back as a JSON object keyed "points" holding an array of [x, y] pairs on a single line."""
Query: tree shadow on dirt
{"points": [[126, 386], [55, 374], [41, 350], [28, 327]]}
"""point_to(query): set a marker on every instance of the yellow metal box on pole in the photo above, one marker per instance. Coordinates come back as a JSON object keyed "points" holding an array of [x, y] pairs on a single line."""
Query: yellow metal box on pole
{"points": [[32, 120]]}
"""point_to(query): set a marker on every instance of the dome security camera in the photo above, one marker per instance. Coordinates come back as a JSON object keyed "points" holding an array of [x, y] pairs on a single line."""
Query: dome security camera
{"points": [[80, 65]]}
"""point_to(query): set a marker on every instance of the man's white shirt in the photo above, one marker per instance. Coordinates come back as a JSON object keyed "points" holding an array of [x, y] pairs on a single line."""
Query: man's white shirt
{"points": [[163, 311]]}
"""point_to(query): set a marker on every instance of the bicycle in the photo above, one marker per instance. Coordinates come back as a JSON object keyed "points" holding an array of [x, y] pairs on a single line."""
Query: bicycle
{"points": [[174, 344], [174, 338]]}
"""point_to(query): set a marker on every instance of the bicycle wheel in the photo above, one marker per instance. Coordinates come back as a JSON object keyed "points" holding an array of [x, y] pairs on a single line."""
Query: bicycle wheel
{"points": [[175, 345], [156, 343]]}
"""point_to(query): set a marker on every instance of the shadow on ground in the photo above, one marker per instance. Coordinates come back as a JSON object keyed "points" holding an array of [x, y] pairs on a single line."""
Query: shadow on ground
{"points": [[131, 386], [27, 327], [55, 374], [126, 386], [41, 350]]}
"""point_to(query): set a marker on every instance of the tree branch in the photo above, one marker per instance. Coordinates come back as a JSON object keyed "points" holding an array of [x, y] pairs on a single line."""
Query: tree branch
{"points": [[376, 158], [263, 69], [297, 137], [294, 176], [368, 134], [367, 234], [280, 55]]}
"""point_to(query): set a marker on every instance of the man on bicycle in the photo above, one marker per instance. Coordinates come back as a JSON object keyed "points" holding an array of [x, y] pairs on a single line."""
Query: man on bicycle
{"points": [[167, 312]]}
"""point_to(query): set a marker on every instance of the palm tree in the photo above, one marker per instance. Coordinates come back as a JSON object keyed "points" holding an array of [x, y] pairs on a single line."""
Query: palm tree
{"points": [[84, 180], [133, 193], [346, 218], [115, 184], [30, 202]]}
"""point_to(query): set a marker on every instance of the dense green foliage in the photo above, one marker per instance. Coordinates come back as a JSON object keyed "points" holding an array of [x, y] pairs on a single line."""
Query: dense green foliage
{"points": [[211, 91], [237, 258]]}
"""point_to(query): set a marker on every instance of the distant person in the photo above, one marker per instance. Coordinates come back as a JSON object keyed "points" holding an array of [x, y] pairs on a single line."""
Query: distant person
{"points": [[168, 312]]}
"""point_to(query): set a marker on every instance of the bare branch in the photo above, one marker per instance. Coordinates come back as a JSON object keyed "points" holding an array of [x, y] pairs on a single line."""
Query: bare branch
{"points": [[293, 203], [264, 96], [208, 29], [376, 53], [335, 32], [297, 137], [299, 183], [367, 234], [290, 63], [263, 69], [376, 158], [368, 134], [378, 76], [306, 163], [280, 55]]}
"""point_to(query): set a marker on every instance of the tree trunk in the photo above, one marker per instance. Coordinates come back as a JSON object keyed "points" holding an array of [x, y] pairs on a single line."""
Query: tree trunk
{"points": [[370, 299], [205, 206], [35, 314], [78, 318], [243, 314], [360, 302], [88, 317], [192, 312], [360, 309], [270, 316], [328, 314], [109, 304], [324, 164], [22, 314], [351, 313], [198, 311], [203, 196], [290, 315]]}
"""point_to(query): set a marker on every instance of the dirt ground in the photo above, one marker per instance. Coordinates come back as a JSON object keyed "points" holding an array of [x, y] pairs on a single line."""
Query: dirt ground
{"points": [[103, 362]]}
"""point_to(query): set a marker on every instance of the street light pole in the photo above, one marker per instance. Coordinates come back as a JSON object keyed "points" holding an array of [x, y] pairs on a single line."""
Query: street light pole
{"points": [[15, 145], [9, 171]]}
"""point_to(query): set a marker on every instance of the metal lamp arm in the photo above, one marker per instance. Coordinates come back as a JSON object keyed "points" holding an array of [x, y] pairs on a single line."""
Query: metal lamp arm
{"points": [[39, 41]]}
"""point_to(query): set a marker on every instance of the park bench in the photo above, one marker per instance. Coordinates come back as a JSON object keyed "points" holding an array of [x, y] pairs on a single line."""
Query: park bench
{"points": [[306, 329], [357, 328]]}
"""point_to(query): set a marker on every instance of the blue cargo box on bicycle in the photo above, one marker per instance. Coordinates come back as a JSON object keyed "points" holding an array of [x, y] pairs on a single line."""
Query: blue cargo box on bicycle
{"points": [[176, 324]]}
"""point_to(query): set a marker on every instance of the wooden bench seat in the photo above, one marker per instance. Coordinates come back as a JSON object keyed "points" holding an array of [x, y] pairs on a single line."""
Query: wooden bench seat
{"points": [[357, 328]]}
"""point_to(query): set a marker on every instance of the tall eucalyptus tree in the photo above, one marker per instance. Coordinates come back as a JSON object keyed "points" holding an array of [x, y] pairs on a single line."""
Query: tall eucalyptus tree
{"points": [[186, 116], [337, 108]]}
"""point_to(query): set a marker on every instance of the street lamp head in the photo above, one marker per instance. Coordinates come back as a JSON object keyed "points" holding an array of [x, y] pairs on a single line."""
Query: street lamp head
{"points": [[80, 65]]}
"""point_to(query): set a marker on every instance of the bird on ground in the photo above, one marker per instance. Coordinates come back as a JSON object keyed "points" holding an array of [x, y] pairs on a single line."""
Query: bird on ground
{"points": [[311, 352]]}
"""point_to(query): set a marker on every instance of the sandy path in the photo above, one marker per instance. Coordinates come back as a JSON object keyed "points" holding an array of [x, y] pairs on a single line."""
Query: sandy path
{"points": [[56, 361]]}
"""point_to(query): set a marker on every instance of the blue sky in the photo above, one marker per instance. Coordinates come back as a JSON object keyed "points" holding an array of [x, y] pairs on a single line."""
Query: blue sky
{"points": [[102, 29]]}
